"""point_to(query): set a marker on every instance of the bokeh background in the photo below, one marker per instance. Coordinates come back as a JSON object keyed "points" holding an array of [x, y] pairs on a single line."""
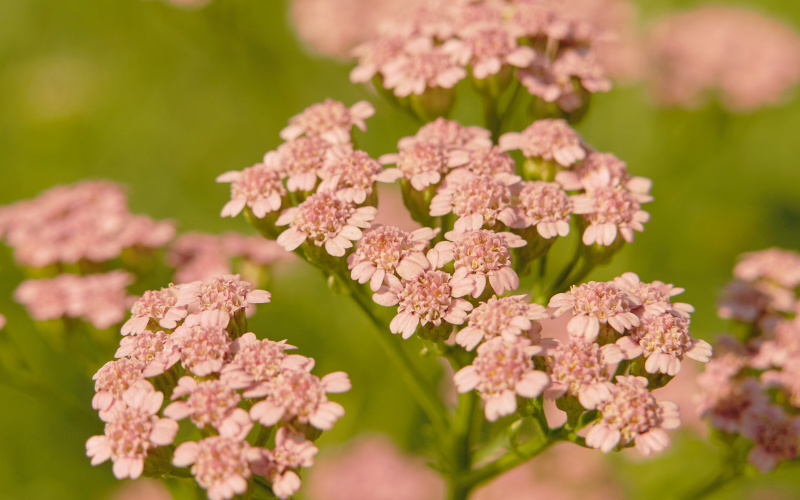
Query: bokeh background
{"points": [[163, 99]]}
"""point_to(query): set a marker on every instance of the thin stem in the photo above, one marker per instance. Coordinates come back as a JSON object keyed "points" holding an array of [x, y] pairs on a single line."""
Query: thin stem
{"points": [[724, 477], [523, 453], [562, 277], [583, 271]]}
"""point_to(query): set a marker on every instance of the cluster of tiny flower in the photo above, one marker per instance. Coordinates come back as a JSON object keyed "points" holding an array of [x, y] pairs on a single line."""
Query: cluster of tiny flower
{"points": [[87, 222], [543, 44], [189, 342], [752, 387]]}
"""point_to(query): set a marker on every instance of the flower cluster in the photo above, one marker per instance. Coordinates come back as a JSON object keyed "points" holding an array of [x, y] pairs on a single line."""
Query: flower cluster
{"points": [[190, 342], [439, 43], [89, 221], [751, 388]]}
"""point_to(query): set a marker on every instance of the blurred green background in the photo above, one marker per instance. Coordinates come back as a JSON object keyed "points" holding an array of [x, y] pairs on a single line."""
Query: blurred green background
{"points": [[164, 99]]}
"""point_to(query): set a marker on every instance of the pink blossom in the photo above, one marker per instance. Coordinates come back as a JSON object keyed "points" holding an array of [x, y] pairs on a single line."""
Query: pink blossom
{"points": [[210, 403], [142, 489], [373, 468], [664, 339], [784, 345], [112, 379], [655, 297], [611, 210], [748, 58], [198, 257], [259, 188], [292, 451], [158, 305], [385, 252], [593, 304], [200, 343], [746, 302], [508, 317], [631, 413], [551, 140], [423, 163], [451, 134], [501, 371], [775, 435], [352, 175], [220, 464], [487, 162], [774, 264], [131, 430], [432, 297], [144, 348], [421, 65], [374, 55], [469, 195], [297, 395], [488, 47], [581, 368], [484, 254], [255, 363], [300, 160], [227, 293], [331, 120], [326, 220], [599, 170], [544, 205], [725, 400]]}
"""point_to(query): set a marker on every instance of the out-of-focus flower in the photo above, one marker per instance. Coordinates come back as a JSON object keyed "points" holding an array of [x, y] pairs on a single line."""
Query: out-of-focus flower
{"points": [[142, 489], [326, 220], [725, 400], [419, 66], [220, 464], [631, 414], [385, 250], [774, 264], [373, 469], [2, 321], [507, 317], [501, 371], [258, 187], [487, 47], [292, 451], [593, 304], [99, 299], [131, 430], [750, 59], [331, 120], [600, 170], [775, 435], [749, 302], [210, 403], [550, 140]]}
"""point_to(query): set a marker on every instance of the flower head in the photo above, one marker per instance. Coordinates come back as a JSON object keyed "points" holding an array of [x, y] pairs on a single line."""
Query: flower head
{"points": [[131, 430], [227, 293], [210, 403], [451, 134], [599, 170], [593, 304], [549, 139], [255, 362], [631, 413], [200, 343], [386, 252], [324, 219], [292, 451], [258, 187], [610, 210], [488, 47], [330, 120], [299, 160], [508, 317], [484, 254], [581, 368], [726, 400], [423, 163], [655, 297], [220, 464], [374, 55], [421, 65], [470, 195], [775, 435], [546, 206], [501, 371], [774, 264], [144, 348], [159, 305], [487, 162], [112, 379], [352, 175]]}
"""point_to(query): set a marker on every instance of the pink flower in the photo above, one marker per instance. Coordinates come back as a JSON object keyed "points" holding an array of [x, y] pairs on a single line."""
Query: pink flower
{"points": [[198, 257], [421, 65], [593, 304], [599, 170], [200, 343], [159, 305], [374, 55], [788, 379], [113, 379], [775, 435], [655, 297], [220, 464], [488, 47], [255, 363], [725, 400], [484, 254], [664, 339], [292, 451], [131, 430], [631, 413], [144, 348], [551, 140], [748, 302], [451, 134], [258, 187], [501, 371], [509, 317], [581, 368], [774, 264], [431, 297], [486, 163], [331, 120], [423, 163], [544, 205], [45, 299], [210, 402], [384, 251], [469, 195], [227, 293], [300, 160], [609, 210], [351, 175], [297, 395]]}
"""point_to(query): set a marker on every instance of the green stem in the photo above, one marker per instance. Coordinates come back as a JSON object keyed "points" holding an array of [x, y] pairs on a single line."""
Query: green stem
{"points": [[562, 277], [726, 476], [524, 452], [583, 271]]}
